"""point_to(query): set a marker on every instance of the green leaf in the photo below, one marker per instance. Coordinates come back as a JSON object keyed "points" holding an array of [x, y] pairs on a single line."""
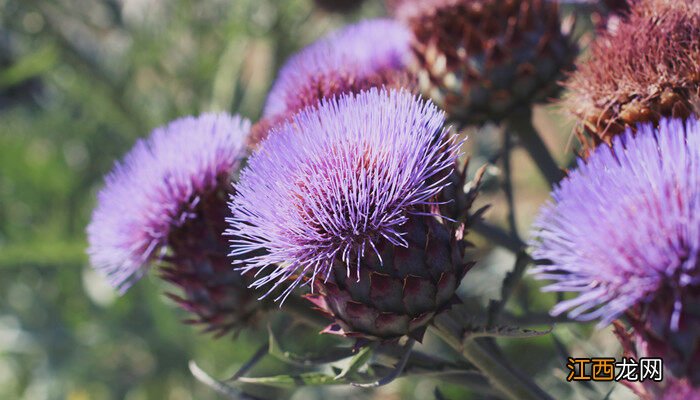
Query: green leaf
{"points": [[29, 66], [330, 355], [222, 388], [42, 254], [505, 331], [357, 362], [292, 381], [465, 322]]}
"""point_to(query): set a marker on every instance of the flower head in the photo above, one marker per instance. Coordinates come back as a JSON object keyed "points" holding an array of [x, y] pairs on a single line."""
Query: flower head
{"points": [[482, 59], [334, 180], [623, 230], [155, 189], [371, 53], [646, 68]]}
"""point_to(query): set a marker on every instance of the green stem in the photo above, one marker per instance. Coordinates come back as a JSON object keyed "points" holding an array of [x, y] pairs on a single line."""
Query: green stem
{"points": [[508, 183], [514, 386], [520, 123]]}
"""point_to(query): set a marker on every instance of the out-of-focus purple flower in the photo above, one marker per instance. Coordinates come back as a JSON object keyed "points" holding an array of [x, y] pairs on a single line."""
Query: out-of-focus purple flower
{"points": [[336, 179], [155, 189], [371, 53], [624, 229]]}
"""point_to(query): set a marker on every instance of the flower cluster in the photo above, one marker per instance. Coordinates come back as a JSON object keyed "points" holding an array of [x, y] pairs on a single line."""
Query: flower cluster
{"points": [[622, 229], [352, 192]]}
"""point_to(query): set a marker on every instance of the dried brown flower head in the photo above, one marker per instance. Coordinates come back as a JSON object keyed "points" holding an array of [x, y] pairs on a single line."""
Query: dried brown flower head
{"points": [[648, 67], [481, 59]]}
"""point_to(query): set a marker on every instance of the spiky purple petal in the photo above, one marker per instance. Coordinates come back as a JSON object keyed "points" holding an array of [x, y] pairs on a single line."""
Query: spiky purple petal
{"points": [[625, 224], [336, 179]]}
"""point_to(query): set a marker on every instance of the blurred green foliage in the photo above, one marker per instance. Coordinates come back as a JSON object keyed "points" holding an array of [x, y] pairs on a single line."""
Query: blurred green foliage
{"points": [[80, 81]]}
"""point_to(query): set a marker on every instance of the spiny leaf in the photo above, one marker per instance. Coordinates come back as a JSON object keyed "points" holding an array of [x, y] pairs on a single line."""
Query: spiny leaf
{"points": [[505, 331], [465, 322]]}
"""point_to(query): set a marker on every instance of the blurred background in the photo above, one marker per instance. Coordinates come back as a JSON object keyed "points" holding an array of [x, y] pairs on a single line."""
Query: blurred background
{"points": [[80, 80]]}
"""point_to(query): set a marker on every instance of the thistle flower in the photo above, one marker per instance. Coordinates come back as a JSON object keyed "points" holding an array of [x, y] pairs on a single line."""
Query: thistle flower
{"points": [[481, 59], [645, 69], [342, 198], [623, 230], [349, 60], [165, 204]]}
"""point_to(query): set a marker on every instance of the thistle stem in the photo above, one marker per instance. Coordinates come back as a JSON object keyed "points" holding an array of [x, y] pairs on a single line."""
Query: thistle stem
{"points": [[513, 385], [520, 123], [508, 183], [252, 362]]}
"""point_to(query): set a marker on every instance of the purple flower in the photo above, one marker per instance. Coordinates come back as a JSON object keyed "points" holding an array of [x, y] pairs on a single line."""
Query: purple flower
{"points": [[155, 189], [336, 179], [624, 229], [372, 53]]}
